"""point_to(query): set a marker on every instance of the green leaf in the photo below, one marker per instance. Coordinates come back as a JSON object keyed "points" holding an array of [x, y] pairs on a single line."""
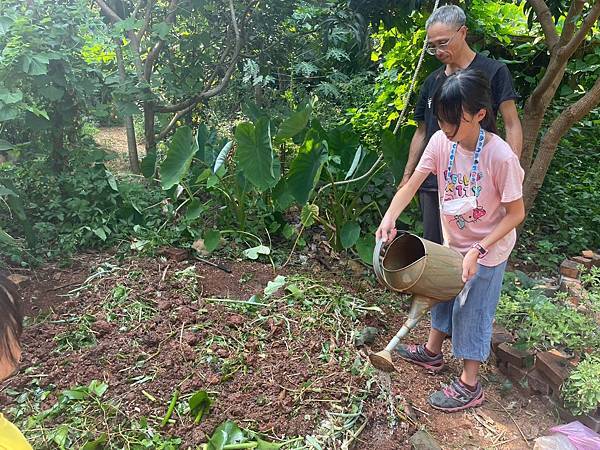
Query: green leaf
{"points": [[179, 157], [295, 123], [343, 142], [52, 93], [282, 195], [96, 444], [255, 154], [100, 233], [211, 240], [162, 29], [5, 145], [264, 445], [308, 214], [222, 157], [365, 247], [226, 433], [35, 64], [5, 24], [349, 234], [6, 238], [199, 405], [275, 285], [253, 252], [395, 149], [148, 165], [355, 162], [194, 209], [8, 113], [201, 140], [305, 169], [10, 97], [112, 182]]}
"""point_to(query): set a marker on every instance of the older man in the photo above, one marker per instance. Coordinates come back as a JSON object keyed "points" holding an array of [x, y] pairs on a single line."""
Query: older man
{"points": [[446, 34]]}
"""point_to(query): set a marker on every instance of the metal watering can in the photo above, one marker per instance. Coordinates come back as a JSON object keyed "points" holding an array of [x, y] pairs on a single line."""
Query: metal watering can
{"points": [[412, 265]]}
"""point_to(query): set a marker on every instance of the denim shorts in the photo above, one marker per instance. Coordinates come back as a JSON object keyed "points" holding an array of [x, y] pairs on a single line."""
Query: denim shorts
{"points": [[470, 325]]}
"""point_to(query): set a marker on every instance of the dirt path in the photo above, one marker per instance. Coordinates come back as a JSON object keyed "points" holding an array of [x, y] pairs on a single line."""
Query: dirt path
{"points": [[114, 139], [148, 326]]}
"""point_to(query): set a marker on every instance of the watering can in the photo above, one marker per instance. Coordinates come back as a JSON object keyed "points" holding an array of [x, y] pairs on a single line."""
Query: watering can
{"points": [[412, 265]]}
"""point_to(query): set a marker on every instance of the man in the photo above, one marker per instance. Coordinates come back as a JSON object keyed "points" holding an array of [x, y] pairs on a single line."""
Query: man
{"points": [[446, 33]]}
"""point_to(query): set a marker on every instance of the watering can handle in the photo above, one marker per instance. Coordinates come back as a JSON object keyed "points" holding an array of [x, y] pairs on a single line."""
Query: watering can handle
{"points": [[377, 263]]}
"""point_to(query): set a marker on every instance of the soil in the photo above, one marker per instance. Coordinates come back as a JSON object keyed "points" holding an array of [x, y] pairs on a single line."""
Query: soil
{"points": [[114, 140], [264, 371]]}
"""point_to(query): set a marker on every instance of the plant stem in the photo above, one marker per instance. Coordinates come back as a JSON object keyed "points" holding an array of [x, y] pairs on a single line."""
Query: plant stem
{"points": [[171, 408]]}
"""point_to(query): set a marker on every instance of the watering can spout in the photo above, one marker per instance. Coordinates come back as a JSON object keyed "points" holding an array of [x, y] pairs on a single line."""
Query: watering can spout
{"points": [[419, 308]]}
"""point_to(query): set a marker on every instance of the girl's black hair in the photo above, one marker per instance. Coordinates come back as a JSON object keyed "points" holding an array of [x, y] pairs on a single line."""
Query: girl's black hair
{"points": [[465, 91], [11, 320]]}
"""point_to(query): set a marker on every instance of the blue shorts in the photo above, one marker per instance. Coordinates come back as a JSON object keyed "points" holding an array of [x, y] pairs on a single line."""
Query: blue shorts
{"points": [[471, 324]]}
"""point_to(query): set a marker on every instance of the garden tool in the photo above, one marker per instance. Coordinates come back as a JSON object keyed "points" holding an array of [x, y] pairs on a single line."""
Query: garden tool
{"points": [[412, 265]]}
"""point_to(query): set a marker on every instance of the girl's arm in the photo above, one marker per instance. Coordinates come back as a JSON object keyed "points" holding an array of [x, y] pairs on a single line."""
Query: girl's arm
{"points": [[387, 229], [515, 213]]}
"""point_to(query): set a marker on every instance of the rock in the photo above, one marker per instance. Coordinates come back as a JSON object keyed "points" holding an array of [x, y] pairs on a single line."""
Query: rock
{"points": [[366, 336], [175, 254], [587, 254], [200, 247], [19, 280], [422, 440], [235, 320], [573, 287]]}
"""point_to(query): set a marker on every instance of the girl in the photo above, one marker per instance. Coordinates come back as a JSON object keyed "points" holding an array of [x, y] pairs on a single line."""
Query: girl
{"points": [[480, 189], [11, 319]]}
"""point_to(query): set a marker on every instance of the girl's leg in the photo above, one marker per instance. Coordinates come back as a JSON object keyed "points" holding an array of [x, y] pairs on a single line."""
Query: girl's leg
{"points": [[470, 372], [435, 341]]}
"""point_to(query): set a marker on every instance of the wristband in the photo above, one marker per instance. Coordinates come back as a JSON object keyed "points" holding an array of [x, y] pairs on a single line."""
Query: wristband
{"points": [[482, 251]]}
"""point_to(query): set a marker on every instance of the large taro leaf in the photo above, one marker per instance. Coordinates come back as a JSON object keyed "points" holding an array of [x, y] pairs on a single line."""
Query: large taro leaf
{"points": [[343, 142], [179, 157], [395, 149], [255, 154], [349, 234], [295, 123], [227, 433], [305, 169], [365, 246]]}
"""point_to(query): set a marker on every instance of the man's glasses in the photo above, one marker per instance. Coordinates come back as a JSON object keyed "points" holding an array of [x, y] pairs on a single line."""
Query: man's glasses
{"points": [[433, 49]]}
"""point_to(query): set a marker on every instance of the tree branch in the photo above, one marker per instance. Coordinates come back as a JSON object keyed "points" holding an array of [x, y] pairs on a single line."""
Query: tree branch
{"points": [[546, 21], [569, 25], [153, 55], [211, 92], [557, 129], [166, 130], [586, 26], [147, 18], [108, 11]]}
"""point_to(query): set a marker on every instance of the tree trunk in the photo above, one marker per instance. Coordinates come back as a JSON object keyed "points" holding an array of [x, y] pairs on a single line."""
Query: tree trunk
{"points": [[549, 143], [134, 161]]}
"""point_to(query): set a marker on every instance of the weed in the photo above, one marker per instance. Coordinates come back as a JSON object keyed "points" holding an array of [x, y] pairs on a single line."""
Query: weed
{"points": [[581, 391]]}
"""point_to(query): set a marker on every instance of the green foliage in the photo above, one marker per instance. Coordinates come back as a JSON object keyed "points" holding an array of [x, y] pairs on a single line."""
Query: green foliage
{"points": [[182, 149], [566, 216], [581, 391], [543, 323]]}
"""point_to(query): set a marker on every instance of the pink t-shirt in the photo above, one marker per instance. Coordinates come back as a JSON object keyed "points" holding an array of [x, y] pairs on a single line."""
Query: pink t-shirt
{"points": [[499, 180]]}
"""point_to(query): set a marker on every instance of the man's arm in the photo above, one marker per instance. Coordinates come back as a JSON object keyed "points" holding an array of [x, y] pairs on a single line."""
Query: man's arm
{"points": [[417, 145], [512, 123]]}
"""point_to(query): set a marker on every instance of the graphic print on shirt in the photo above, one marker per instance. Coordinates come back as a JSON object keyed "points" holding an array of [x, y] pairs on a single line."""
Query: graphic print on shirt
{"points": [[459, 186]]}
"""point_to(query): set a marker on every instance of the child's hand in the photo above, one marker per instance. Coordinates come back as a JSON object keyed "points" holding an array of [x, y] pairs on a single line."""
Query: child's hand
{"points": [[387, 230], [470, 265]]}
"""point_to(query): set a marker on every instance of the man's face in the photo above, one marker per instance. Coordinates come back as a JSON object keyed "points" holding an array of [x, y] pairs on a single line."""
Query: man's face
{"points": [[448, 40]]}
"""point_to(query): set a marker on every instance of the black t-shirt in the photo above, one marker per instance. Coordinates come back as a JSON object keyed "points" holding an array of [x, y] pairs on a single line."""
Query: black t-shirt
{"points": [[500, 83]]}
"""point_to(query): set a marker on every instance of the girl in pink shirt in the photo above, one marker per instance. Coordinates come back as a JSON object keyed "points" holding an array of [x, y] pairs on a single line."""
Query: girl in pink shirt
{"points": [[480, 189]]}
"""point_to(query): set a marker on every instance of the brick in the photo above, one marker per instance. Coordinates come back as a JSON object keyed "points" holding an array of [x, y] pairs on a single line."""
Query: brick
{"points": [[553, 366], [538, 383], [515, 373], [585, 262], [587, 254], [596, 260], [19, 280], [571, 286], [592, 421], [569, 269], [176, 254], [500, 335], [518, 358]]}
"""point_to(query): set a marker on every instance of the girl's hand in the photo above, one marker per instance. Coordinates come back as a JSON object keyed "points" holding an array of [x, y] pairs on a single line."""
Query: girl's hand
{"points": [[387, 230], [470, 264]]}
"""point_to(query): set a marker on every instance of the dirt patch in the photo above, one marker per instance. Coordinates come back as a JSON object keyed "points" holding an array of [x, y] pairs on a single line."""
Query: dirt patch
{"points": [[150, 326], [114, 140]]}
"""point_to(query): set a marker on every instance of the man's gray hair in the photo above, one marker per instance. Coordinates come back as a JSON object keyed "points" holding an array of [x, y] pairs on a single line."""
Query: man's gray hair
{"points": [[448, 15]]}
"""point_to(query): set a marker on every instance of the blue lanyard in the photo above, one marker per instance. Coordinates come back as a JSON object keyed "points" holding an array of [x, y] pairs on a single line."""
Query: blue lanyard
{"points": [[478, 148]]}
